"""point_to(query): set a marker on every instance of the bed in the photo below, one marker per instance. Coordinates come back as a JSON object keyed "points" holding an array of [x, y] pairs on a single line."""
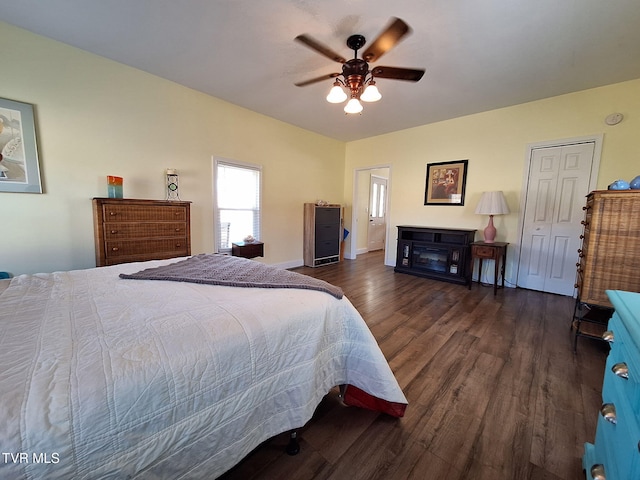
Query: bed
{"points": [[110, 377]]}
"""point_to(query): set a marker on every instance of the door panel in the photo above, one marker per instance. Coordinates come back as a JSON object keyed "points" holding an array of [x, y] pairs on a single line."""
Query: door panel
{"points": [[558, 182], [377, 213]]}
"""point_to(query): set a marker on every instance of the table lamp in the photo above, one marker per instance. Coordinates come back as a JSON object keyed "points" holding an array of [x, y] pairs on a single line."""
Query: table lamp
{"points": [[491, 203]]}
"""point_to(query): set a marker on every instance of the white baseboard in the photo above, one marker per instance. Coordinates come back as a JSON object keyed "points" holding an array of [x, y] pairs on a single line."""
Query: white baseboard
{"points": [[289, 264]]}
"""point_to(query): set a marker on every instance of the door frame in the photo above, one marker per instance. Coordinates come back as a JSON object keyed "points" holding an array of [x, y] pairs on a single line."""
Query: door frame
{"points": [[353, 244], [596, 139], [386, 214]]}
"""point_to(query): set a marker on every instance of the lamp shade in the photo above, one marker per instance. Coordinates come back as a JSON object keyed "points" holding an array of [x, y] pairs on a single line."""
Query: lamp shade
{"points": [[336, 95], [492, 203], [353, 106]]}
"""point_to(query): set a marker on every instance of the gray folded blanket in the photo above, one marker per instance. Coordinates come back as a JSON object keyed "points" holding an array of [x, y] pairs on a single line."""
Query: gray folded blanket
{"points": [[215, 269]]}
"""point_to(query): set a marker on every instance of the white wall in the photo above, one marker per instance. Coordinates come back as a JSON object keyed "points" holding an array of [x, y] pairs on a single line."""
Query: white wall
{"points": [[96, 118]]}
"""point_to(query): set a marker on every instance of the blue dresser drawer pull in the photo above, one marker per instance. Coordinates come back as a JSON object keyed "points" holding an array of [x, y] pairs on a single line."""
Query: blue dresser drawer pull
{"points": [[608, 411], [597, 472], [608, 336], [621, 370]]}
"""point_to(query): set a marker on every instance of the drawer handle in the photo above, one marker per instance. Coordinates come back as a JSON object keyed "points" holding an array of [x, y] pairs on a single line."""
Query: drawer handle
{"points": [[608, 411], [113, 214], [597, 472], [608, 336], [113, 232], [178, 245], [621, 370], [115, 249], [177, 229]]}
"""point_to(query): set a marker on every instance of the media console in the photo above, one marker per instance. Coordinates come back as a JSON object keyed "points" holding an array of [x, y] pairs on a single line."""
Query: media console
{"points": [[437, 253]]}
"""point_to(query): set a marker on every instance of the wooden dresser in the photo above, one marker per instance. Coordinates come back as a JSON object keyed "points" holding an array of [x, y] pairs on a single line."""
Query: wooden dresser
{"points": [[615, 454], [609, 256], [131, 230]]}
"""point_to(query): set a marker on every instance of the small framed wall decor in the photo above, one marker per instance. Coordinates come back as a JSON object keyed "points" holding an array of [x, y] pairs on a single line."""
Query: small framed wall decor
{"points": [[445, 183], [19, 168]]}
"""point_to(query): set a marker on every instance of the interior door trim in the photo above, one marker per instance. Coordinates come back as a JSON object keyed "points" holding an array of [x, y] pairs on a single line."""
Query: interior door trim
{"points": [[352, 252]]}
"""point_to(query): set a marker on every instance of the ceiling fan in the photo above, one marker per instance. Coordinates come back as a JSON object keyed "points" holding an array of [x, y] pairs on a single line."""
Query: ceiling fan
{"points": [[356, 74]]}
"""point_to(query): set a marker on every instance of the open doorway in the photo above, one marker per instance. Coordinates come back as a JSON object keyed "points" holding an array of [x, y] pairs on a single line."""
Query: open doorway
{"points": [[371, 201]]}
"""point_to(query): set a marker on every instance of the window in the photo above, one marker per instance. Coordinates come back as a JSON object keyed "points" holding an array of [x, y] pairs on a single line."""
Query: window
{"points": [[236, 202]]}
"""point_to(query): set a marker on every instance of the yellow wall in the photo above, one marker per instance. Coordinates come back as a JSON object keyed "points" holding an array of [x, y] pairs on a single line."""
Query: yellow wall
{"points": [[495, 143], [96, 117]]}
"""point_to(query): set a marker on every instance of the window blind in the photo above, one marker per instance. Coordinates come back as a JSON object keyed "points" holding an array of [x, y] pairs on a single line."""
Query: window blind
{"points": [[237, 207]]}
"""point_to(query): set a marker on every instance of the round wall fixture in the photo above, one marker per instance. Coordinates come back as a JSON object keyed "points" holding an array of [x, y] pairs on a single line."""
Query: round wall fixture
{"points": [[614, 119]]}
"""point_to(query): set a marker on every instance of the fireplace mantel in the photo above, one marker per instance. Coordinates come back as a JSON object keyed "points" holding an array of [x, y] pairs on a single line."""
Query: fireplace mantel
{"points": [[433, 252]]}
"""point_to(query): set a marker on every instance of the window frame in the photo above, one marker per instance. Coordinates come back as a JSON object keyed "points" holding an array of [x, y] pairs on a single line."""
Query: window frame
{"points": [[217, 162]]}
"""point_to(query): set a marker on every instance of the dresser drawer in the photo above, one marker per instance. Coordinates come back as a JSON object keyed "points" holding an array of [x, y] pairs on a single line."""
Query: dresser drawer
{"points": [[620, 359], [328, 215], [479, 251], [326, 232], [135, 213], [120, 231], [615, 450], [178, 247]]}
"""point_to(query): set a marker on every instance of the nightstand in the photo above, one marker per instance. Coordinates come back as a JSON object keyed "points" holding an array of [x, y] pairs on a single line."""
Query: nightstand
{"points": [[497, 252], [247, 250]]}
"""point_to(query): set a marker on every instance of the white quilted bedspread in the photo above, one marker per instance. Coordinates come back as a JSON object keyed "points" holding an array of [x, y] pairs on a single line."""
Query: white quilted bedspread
{"points": [[102, 377]]}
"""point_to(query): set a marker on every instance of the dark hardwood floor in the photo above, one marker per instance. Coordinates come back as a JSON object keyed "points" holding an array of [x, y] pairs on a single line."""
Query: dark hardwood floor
{"points": [[495, 390]]}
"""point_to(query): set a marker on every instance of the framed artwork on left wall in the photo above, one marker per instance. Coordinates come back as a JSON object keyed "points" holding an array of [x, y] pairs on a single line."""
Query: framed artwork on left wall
{"points": [[19, 166], [446, 183]]}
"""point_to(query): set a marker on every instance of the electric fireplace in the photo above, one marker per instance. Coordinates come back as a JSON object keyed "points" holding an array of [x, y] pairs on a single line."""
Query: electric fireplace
{"points": [[430, 259], [438, 253]]}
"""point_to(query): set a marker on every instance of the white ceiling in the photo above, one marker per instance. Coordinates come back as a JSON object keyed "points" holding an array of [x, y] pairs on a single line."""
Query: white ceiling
{"points": [[478, 54]]}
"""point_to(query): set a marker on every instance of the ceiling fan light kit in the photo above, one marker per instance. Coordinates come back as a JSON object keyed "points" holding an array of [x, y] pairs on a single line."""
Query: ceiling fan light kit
{"points": [[336, 95], [356, 76], [353, 106]]}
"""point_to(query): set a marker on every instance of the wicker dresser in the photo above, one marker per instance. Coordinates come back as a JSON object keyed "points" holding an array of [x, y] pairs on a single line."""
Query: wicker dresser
{"points": [[615, 454], [130, 230], [609, 256]]}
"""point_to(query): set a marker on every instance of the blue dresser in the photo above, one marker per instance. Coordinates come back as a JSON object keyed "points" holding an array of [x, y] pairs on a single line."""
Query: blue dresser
{"points": [[615, 454]]}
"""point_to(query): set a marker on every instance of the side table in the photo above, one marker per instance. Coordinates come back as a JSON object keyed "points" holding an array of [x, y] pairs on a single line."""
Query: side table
{"points": [[497, 252], [247, 250]]}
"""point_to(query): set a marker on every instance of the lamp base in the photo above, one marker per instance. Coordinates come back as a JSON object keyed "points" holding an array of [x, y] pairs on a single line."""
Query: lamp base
{"points": [[490, 231]]}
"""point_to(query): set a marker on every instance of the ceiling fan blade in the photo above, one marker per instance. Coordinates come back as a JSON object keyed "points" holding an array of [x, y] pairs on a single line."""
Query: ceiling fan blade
{"points": [[397, 73], [320, 48], [316, 80], [386, 40]]}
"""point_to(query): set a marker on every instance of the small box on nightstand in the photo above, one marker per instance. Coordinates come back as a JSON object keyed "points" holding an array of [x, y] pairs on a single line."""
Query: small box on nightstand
{"points": [[247, 250]]}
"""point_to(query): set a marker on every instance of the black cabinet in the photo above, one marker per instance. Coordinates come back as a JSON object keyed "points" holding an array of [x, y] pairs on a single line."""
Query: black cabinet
{"points": [[322, 234], [438, 253]]}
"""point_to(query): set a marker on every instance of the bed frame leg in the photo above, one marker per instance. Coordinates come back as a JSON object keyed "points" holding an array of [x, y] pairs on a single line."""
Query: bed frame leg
{"points": [[343, 390], [294, 446]]}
